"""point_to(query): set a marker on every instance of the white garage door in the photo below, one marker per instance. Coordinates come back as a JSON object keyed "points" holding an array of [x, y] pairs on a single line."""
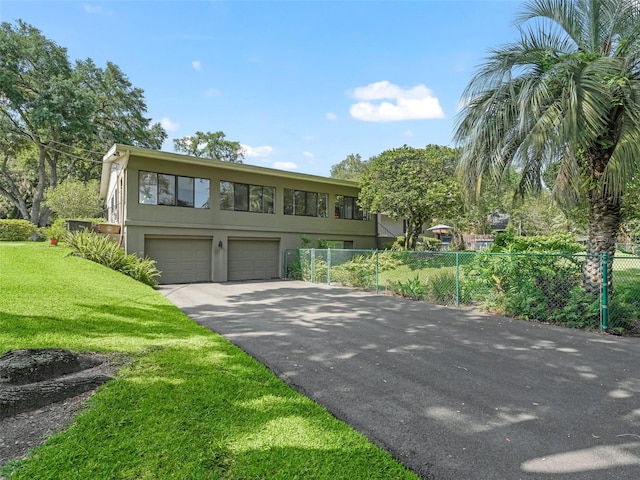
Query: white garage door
{"points": [[181, 260], [253, 259]]}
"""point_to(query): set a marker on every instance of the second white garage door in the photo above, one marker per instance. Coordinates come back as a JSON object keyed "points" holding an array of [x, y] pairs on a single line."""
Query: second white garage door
{"points": [[253, 259], [181, 260]]}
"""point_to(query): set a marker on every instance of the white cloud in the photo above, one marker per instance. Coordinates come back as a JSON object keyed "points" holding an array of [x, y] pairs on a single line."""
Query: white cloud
{"points": [[331, 116], [197, 65], [259, 152], [410, 104], [308, 154], [168, 125], [285, 165], [212, 92], [408, 133], [95, 10]]}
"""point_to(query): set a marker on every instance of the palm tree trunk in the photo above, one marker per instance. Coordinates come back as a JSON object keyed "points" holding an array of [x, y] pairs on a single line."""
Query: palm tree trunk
{"points": [[604, 225]]}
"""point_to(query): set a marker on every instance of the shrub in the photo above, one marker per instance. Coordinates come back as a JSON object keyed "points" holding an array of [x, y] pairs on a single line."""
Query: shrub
{"points": [[16, 230], [545, 287], [441, 288], [413, 289], [431, 244], [360, 271], [103, 250]]}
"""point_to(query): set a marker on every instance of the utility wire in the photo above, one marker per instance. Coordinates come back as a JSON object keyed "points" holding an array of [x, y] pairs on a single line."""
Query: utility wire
{"points": [[77, 148], [72, 155]]}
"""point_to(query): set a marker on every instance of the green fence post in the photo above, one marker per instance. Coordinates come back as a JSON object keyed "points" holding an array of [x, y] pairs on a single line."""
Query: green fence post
{"points": [[457, 279], [312, 252], [605, 292], [328, 266], [377, 271]]}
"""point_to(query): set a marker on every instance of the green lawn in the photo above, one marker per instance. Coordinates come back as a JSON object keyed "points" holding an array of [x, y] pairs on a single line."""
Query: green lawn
{"points": [[189, 406]]}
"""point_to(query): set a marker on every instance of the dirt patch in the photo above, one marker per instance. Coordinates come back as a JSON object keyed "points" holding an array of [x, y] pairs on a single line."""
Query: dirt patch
{"points": [[41, 390]]}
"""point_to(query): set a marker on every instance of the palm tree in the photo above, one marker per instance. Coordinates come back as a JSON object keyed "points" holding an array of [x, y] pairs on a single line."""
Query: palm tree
{"points": [[567, 91]]}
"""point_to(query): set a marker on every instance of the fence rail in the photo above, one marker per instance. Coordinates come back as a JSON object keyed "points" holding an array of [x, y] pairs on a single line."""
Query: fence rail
{"points": [[577, 290]]}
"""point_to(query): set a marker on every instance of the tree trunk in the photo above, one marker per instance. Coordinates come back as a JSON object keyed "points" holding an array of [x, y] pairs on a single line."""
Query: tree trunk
{"points": [[33, 378], [604, 224]]}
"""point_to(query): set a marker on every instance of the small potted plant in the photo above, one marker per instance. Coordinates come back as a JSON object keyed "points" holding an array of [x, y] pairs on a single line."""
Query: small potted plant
{"points": [[56, 232]]}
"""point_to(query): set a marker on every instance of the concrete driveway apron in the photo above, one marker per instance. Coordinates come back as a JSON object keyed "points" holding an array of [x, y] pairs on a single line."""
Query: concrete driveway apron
{"points": [[452, 394]]}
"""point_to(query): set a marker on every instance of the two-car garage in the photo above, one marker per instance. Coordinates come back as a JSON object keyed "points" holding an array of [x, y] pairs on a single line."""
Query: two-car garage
{"points": [[191, 259]]}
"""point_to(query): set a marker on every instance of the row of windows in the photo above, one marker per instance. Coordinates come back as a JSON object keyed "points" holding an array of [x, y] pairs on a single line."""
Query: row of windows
{"points": [[247, 198], [307, 204], [163, 189]]}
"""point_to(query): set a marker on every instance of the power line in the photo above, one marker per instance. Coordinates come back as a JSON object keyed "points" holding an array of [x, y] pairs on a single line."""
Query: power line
{"points": [[77, 148], [72, 155]]}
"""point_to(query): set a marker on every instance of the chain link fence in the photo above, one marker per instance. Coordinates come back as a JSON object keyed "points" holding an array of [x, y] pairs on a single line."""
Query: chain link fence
{"points": [[569, 289]]}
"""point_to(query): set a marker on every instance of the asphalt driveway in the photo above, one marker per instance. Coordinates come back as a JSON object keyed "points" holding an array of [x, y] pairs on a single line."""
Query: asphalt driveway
{"points": [[453, 394]]}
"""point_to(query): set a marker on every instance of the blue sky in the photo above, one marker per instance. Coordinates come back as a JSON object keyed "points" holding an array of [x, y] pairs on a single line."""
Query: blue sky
{"points": [[301, 84]]}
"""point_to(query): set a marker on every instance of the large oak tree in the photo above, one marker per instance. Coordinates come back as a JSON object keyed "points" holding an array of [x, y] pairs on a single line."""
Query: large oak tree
{"points": [[56, 117]]}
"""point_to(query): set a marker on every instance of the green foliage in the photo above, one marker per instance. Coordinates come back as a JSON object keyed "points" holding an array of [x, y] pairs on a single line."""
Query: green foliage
{"points": [[556, 95], [57, 230], [351, 168], [554, 243], [360, 270], [544, 287], [74, 199], [431, 244], [16, 230], [441, 288], [210, 145], [412, 289], [400, 243], [416, 184], [103, 250], [53, 112]]}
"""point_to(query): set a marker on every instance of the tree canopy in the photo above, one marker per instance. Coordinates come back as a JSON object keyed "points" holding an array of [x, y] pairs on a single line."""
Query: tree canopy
{"points": [[58, 118], [417, 184], [567, 91], [75, 199], [210, 145], [351, 168]]}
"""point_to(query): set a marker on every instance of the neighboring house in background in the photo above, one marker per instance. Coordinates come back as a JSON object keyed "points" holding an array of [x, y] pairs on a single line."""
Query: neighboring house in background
{"points": [[389, 229], [205, 220], [498, 221]]}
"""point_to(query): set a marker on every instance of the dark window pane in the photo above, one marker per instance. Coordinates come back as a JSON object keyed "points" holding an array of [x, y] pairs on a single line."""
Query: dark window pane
{"points": [[268, 199], [241, 197], [312, 204], [300, 203], [288, 201], [322, 205], [166, 189], [358, 211], [348, 207], [185, 191], [339, 207], [255, 199], [148, 188]]}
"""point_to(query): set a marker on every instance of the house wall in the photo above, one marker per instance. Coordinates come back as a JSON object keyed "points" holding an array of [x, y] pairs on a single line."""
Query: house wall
{"points": [[141, 221]]}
